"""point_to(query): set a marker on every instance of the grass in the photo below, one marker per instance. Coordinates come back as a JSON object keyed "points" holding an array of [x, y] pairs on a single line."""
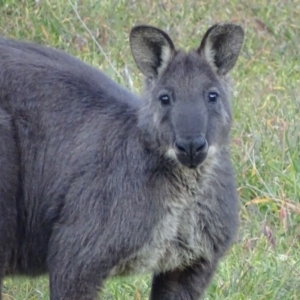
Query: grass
{"points": [[265, 261]]}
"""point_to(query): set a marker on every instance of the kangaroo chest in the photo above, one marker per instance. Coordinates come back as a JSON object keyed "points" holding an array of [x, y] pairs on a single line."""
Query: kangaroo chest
{"points": [[177, 240]]}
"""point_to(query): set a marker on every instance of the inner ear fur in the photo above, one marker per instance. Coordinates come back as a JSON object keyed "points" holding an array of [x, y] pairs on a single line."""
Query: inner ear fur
{"points": [[152, 49], [221, 46]]}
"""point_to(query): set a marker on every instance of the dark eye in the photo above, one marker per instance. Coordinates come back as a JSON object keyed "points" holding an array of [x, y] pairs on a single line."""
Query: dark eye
{"points": [[164, 99], [213, 96]]}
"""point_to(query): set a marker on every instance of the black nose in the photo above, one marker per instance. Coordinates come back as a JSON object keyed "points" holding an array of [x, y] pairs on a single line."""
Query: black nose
{"points": [[191, 147]]}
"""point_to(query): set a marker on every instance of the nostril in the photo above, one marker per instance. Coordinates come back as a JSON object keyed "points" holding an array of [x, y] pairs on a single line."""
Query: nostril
{"points": [[199, 144], [180, 146], [200, 148], [183, 146]]}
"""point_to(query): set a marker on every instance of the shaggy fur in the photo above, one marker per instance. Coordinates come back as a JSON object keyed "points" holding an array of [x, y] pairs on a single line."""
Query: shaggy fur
{"points": [[91, 183]]}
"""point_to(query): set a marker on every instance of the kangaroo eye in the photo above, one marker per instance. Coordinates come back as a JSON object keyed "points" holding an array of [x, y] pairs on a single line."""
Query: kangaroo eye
{"points": [[164, 99], [213, 96]]}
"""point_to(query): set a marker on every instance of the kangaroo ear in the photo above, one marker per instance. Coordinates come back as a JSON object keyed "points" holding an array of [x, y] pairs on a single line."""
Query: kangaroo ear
{"points": [[152, 50], [221, 46]]}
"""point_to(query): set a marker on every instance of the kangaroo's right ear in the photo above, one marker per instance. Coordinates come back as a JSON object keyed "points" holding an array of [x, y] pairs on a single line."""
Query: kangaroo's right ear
{"points": [[152, 50]]}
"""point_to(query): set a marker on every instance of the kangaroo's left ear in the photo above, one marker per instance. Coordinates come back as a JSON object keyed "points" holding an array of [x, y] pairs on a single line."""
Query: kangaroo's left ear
{"points": [[221, 46]]}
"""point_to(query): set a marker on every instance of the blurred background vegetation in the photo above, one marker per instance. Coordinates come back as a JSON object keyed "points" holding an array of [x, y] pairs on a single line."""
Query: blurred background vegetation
{"points": [[265, 261]]}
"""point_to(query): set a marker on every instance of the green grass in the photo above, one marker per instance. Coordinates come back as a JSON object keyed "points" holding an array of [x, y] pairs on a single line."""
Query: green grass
{"points": [[265, 262]]}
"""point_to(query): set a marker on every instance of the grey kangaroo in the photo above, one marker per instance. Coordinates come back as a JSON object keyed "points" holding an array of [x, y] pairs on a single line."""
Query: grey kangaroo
{"points": [[98, 182]]}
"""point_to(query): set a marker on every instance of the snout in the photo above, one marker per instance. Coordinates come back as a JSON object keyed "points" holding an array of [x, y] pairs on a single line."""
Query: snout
{"points": [[191, 152]]}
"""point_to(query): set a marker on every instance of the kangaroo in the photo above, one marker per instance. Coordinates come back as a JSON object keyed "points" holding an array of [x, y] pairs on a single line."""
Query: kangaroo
{"points": [[98, 182]]}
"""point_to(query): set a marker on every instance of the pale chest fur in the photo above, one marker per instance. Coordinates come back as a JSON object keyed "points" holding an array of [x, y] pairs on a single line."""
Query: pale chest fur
{"points": [[177, 240], [180, 237]]}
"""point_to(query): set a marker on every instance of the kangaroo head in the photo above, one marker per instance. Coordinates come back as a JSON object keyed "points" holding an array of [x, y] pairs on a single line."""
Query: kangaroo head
{"points": [[186, 111]]}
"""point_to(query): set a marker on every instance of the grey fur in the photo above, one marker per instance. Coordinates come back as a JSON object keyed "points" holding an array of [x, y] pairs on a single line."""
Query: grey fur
{"points": [[91, 183]]}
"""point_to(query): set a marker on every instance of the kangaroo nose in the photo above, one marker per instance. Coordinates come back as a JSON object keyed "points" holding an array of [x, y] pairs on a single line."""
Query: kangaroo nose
{"points": [[191, 147]]}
